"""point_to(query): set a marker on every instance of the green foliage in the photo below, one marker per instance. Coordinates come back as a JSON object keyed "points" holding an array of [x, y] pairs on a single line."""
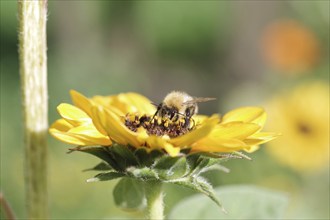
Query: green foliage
{"points": [[140, 165], [100, 167], [241, 202], [181, 29], [169, 168], [107, 47], [201, 185], [106, 176], [129, 194]]}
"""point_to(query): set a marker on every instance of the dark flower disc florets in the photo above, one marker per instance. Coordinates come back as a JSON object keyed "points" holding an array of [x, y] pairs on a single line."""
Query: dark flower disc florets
{"points": [[157, 126]]}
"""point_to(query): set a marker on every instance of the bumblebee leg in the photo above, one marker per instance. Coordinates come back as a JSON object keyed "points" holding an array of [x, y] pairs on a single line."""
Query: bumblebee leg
{"points": [[158, 108], [175, 117], [187, 123]]}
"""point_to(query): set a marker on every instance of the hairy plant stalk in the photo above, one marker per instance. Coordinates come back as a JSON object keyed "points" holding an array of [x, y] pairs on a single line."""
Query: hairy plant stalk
{"points": [[32, 17], [155, 197]]}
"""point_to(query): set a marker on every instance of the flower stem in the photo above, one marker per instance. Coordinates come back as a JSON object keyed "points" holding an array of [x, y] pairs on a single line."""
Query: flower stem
{"points": [[8, 212], [32, 17], [154, 194]]}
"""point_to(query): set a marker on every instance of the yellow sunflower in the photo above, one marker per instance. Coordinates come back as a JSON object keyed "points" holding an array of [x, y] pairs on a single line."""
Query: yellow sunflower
{"points": [[128, 119], [303, 117]]}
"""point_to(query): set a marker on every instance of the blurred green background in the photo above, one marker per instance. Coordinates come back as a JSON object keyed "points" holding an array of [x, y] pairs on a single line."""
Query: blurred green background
{"points": [[241, 52]]}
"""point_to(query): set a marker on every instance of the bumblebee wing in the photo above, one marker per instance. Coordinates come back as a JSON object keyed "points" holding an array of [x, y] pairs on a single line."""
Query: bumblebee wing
{"points": [[198, 99]]}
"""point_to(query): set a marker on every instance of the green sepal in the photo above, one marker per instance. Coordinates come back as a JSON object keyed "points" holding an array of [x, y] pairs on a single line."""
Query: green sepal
{"points": [[144, 173], [168, 167], [192, 161], [198, 164], [201, 185], [146, 157], [205, 163], [100, 167], [143, 164], [106, 176], [123, 155], [214, 167], [129, 194], [102, 153], [142, 155]]}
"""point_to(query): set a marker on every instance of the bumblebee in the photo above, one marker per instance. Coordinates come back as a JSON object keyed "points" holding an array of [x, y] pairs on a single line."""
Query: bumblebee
{"points": [[179, 105]]}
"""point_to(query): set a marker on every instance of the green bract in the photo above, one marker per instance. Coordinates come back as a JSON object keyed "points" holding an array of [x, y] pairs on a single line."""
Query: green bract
{"points": [[139, 166]]}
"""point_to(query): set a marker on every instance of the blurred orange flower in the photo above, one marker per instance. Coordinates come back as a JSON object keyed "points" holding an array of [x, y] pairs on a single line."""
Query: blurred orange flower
{"points": [[303, 117], [290, 47]]}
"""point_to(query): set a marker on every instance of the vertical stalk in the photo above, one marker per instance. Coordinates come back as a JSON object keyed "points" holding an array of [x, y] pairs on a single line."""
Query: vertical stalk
{"points": [[155, 196], [32, 17], [5, 207]]}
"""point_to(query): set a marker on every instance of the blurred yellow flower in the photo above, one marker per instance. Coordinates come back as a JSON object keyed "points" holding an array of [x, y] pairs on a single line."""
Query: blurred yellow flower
{"points": [[127, 119], [303, 117], [290, 47]]}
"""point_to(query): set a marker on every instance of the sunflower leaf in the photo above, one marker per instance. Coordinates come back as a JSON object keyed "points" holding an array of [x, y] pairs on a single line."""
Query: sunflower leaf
{"points": [[241, 201], [129, 194]]}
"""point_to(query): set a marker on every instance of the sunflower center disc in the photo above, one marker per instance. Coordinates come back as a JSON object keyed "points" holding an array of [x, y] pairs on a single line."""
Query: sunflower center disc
{"points": [[157, 126]]}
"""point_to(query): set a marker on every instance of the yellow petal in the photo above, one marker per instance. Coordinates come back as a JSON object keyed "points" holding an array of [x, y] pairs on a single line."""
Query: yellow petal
{"points": [[98, 119], [61, 125], [142, 135], [265, 135], [197, 134], [113, 103], [251, 149], [91, 134], [103, 100], [260, 138], [261, 120], [246, 114], [137, 103], [70, 138], [234, 130], [218, 145], [101, 123], [85, 134], [81, 102], [126, 103], [115, 127], [72, 114], [199, 119], [155, 142]]}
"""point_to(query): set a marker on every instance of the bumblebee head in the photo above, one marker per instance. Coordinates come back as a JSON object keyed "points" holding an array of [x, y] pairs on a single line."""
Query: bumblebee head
{"points": [[165, 111]]}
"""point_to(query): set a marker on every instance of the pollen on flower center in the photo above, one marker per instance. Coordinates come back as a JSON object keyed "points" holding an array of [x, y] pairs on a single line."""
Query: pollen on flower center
{"points": [[157, 126]]}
